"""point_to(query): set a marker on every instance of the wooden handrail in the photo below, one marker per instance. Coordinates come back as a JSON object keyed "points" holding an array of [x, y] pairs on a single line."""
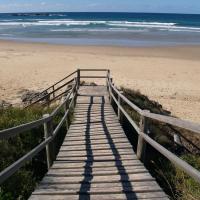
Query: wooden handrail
{"points": [[11, 132], [53, 86], [93, 76], [47, 95], [56, 89], [143, 135], [194, 173], [5, 134], [187, 125], [140, 129], [94, 70], [136, 108], [56, 97]]}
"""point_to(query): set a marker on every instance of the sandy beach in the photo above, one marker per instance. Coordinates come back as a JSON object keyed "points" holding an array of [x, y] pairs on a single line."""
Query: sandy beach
{"points": [[169, 75]]}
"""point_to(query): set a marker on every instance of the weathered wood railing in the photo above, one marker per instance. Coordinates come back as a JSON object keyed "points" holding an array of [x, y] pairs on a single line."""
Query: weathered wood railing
{"points": [[50, 134], [69, 103], [47, 122], [50, 94], [142, 130]]}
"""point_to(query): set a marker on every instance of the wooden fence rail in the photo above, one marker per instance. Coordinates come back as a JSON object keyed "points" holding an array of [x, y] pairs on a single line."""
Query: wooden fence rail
{"points": [[51, 91], [143, 135], [50, 134], [69, 103]]}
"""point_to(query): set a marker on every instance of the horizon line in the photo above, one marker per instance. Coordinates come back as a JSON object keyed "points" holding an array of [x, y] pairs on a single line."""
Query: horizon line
{"points": [[24, 12]]}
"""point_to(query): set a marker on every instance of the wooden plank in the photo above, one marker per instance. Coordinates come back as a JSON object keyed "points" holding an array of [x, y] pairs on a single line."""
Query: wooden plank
{"points": [[96, 153], [104, 157], [91, 112], [70, 138], [86, 104], [89, 172], [81, 117], [93, 134], [98, 179], [99, 123], [103, 164], [115, 169], [151, 184], [99, 117], [110, 141], [111, 190], [78, 150], [93, 108], [95, 129], [96, 159], [105, 121], [139, 196], [94, 147], [109, 144]]}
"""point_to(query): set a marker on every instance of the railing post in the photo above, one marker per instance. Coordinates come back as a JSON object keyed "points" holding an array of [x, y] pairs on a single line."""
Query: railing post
{"points": [[50, 150], [177, 139], [107, 81], [119, 112], [78, 77], [75, 92], [53, 91], [110, 91], [66, 107], [141, 146]]}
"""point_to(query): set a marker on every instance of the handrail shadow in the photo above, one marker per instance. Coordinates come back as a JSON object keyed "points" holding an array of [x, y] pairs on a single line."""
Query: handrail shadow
{"points": [[118, 163], [86, 183], [84, 192]]}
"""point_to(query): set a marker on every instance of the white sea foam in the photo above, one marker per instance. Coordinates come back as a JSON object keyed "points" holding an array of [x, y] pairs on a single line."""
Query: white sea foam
{"points": [[111, 25], [98, 30]]}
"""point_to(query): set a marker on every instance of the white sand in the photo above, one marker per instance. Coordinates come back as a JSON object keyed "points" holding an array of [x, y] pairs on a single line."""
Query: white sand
{"points": [[169, 75]]}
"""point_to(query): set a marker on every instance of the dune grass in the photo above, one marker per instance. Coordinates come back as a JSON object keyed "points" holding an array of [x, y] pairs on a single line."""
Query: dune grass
{"points": [[177, 184], [22, 183]]}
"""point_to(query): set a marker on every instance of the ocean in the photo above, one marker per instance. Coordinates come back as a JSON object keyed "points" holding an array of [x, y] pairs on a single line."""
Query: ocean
{"points": [[123, 29]]}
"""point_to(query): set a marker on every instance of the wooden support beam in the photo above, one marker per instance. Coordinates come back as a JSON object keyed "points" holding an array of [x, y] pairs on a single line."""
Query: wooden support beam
{"points": [[141, 146], [119, 111], [50, 149], [53, 87], [66, 107], [78, 77]]}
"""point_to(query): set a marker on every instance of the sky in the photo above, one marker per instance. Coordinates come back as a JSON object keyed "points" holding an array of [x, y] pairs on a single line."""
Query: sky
{"points": [[160, 6]]}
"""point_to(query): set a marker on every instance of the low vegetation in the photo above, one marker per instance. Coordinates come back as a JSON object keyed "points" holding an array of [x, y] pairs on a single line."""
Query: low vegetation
{"points": [[175, 182], [23, 182]]}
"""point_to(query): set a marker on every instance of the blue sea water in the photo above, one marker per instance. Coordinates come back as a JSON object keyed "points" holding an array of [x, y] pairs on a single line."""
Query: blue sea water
{"points": [[127, 29]]}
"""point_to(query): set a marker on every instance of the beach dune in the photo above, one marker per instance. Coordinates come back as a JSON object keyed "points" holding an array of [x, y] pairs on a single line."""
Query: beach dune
{"points": [[169, 75]]}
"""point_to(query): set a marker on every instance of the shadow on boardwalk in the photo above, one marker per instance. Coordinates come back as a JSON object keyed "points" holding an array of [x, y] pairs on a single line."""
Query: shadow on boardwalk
{"points": [[85, 188]]}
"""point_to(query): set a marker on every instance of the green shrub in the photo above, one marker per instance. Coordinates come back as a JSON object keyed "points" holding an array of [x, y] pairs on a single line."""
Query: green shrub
{"points": [[177, 184], [22, 183], [186, 185]]}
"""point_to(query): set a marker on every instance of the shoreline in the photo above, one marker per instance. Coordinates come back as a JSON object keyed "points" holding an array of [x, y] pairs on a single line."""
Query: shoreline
{"points": [[168, 75]]}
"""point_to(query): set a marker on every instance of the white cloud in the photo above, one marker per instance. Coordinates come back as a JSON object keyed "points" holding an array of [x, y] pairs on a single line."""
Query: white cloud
{"points": [[43, 3], [93, 5]]}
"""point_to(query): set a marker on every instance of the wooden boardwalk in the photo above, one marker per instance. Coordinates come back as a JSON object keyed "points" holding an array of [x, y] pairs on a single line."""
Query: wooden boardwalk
{"points": [[96, 160]]}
